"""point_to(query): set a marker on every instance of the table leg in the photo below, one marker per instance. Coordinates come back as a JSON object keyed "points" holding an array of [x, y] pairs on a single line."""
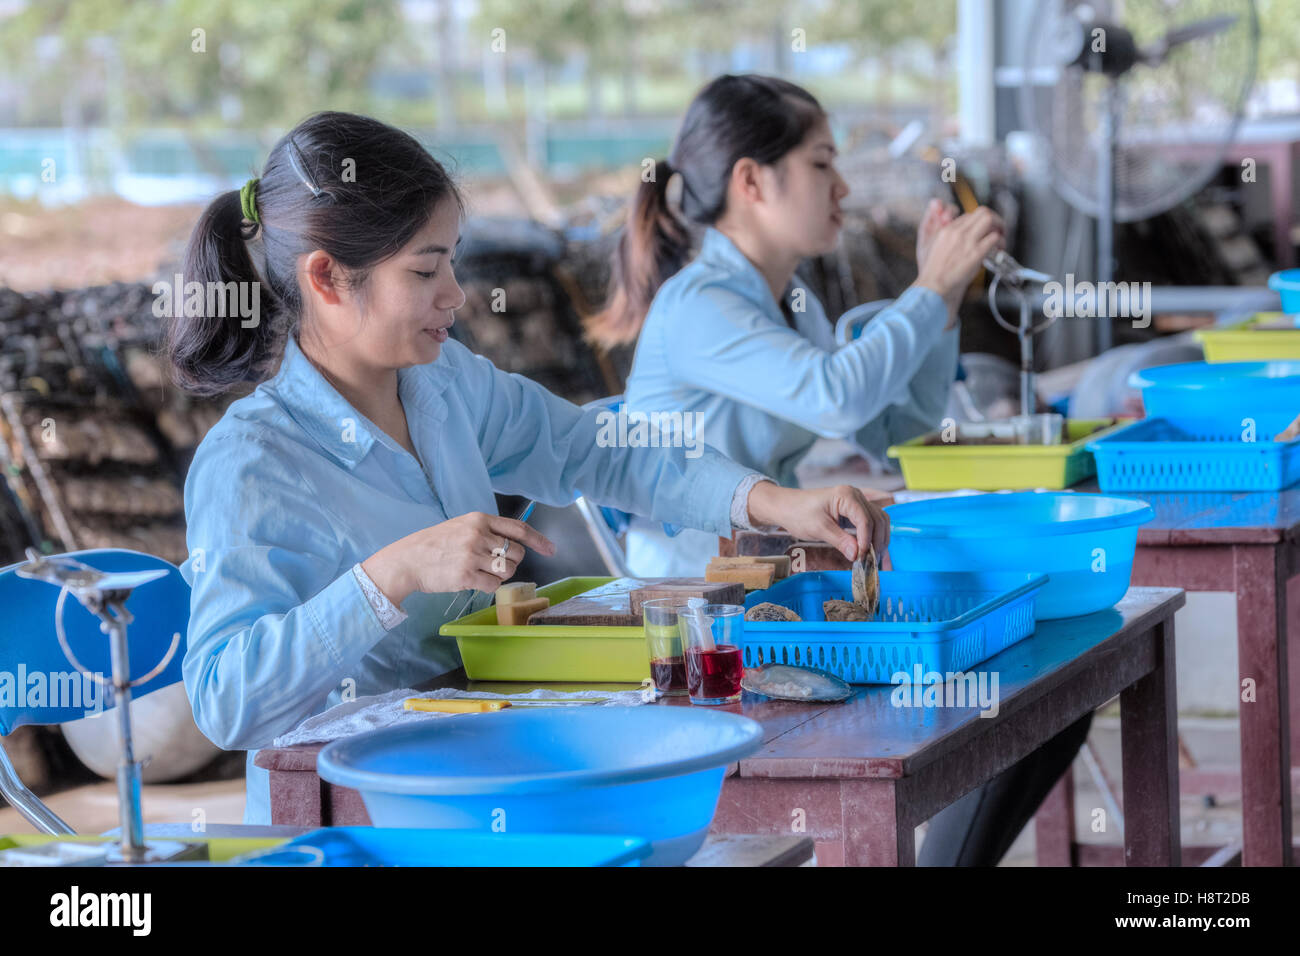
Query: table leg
{"points": [[296, 798], [1054, 824], [875, 833], [1265, 705], [1149, 744]]}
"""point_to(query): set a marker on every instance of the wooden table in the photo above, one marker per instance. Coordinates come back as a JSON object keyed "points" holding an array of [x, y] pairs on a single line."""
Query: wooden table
{"points": [[858, 777], [1248, 543]]}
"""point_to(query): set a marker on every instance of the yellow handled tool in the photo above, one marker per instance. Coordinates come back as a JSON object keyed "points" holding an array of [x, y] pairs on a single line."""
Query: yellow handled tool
{"points": [[455, 706]]}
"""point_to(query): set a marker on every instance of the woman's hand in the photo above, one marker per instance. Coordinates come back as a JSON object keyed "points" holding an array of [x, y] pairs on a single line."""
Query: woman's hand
{"points": [[955, 252], [937, 215], [1291, 431], [465, 552], [814, 514]]}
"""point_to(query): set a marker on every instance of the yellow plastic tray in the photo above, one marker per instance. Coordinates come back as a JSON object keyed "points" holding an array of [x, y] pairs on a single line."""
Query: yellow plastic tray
{"points": [[491, 651], [997, 467], [1244, 342], [220, 849]]}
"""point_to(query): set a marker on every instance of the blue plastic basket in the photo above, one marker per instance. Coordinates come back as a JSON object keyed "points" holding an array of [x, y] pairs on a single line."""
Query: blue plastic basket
{"points": [[1159, 455], [1228, 396], [379, 846], [943, 621]]}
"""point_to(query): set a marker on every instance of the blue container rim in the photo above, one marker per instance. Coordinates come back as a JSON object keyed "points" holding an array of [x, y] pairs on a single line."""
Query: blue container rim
{"points": [[1134, 438], [336, 762], [1288, 280], [1131, 511], [1217, 376]]}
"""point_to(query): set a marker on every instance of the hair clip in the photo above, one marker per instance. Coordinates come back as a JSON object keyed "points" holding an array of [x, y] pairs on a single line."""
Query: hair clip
{"points": [[299, 164]]}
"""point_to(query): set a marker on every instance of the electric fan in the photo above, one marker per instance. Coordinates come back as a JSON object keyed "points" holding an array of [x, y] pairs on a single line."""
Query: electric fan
{"points": [[1137, 101]]}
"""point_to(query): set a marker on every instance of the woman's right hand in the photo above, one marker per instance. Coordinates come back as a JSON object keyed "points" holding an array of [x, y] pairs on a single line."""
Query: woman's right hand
{"points": [[956, 253], [464, 552]]}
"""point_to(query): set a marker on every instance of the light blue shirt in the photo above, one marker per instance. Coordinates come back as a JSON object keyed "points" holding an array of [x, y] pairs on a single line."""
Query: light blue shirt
{"points": [[715, 342], [293, 486]]}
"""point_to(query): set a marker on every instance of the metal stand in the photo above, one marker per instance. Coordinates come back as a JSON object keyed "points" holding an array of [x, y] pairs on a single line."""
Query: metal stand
{"points": [[104, 595], [1005, 269]]}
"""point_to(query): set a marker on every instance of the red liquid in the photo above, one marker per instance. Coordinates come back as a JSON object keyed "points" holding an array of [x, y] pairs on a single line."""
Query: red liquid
{"points": [[669, 674], [714, 674]]}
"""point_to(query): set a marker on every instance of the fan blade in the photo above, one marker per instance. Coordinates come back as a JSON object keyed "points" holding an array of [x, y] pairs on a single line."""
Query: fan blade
{"points": [[1210, 26]]}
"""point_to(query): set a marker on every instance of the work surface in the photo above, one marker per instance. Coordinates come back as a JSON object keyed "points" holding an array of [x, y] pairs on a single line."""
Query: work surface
{"points": [[1044, 683]]}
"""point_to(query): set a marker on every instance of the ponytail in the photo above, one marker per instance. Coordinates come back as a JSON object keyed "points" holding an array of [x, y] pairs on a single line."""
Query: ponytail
{"points": [[654, 245], [218, 349]]}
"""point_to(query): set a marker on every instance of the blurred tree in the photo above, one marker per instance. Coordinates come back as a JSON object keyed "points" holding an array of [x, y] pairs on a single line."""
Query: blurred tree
{"points": [[256, 63]]}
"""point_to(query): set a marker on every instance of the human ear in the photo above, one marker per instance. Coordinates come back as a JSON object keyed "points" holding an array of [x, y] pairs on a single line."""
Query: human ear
{"points": [[322, 276], [747, 179]]}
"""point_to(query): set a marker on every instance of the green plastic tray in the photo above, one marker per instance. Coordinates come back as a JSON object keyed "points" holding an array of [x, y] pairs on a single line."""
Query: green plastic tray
{"points": [[543, 653], [1246, 342], [997, 467]]}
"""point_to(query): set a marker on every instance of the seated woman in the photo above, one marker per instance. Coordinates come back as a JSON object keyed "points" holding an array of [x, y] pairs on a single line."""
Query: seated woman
{"points": [[335, 514], [733, 338]]}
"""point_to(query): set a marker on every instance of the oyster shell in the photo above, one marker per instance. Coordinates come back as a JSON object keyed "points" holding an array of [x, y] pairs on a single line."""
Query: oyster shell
{"points": [[837, 610], [786, 682], [866, 582], [767, 611]]}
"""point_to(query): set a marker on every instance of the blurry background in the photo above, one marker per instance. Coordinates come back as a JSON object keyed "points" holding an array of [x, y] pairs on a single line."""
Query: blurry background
{"points": [[119, 119]]}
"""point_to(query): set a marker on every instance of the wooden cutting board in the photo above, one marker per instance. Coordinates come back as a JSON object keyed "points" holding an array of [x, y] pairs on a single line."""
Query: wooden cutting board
{"points": [[608, 605]]}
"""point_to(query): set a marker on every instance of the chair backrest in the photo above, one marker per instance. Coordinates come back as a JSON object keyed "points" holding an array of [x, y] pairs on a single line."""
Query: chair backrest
{"points": [[39, 685]]}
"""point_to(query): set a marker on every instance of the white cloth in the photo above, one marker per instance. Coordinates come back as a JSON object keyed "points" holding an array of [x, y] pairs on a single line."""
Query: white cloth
{"points": [[387, 710]]}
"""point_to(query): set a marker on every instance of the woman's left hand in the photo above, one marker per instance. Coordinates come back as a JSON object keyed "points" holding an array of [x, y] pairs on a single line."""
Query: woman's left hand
{"points": [[814, 514]]}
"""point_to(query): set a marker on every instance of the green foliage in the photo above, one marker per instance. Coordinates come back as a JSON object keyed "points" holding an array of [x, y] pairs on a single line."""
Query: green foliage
{"points": [[276, 59]]}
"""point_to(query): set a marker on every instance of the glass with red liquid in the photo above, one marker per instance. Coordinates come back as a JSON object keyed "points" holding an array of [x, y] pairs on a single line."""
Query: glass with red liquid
{"points": [[715, 649], [664, 644]]}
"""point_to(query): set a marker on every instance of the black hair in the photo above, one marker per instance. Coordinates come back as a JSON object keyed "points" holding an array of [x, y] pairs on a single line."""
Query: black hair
{"points": [[353, 186], [761, 117]]}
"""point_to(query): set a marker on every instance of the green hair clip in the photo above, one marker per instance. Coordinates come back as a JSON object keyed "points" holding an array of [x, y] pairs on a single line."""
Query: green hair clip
{"points": [[248, 202]]}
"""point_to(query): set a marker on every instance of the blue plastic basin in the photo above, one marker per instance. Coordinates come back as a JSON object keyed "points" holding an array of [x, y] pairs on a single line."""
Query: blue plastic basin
{"points": [[1083, 543], [653, 772], [1287, 286], [1226, 394]]}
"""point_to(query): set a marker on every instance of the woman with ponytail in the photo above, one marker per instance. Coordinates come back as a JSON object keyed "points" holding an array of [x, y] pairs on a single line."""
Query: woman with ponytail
{"points": [[337, 513], [733, 337]]}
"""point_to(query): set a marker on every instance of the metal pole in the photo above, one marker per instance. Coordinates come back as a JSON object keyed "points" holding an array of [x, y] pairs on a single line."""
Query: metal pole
{"points": [[128, 771], [1106, 208], [1028, 404]]}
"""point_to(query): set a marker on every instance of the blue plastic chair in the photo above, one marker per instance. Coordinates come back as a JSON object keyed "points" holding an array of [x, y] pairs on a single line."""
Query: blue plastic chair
{"points": [[30, 649]]}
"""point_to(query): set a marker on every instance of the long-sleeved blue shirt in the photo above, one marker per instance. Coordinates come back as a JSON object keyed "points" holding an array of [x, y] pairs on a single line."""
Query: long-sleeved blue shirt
{"points": [[294, 486], [716, 343]]}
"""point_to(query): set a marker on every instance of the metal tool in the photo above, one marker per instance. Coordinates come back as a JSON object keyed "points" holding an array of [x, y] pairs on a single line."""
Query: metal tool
{"points": [[469, 599], [104, 595], [1011, 273]]}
